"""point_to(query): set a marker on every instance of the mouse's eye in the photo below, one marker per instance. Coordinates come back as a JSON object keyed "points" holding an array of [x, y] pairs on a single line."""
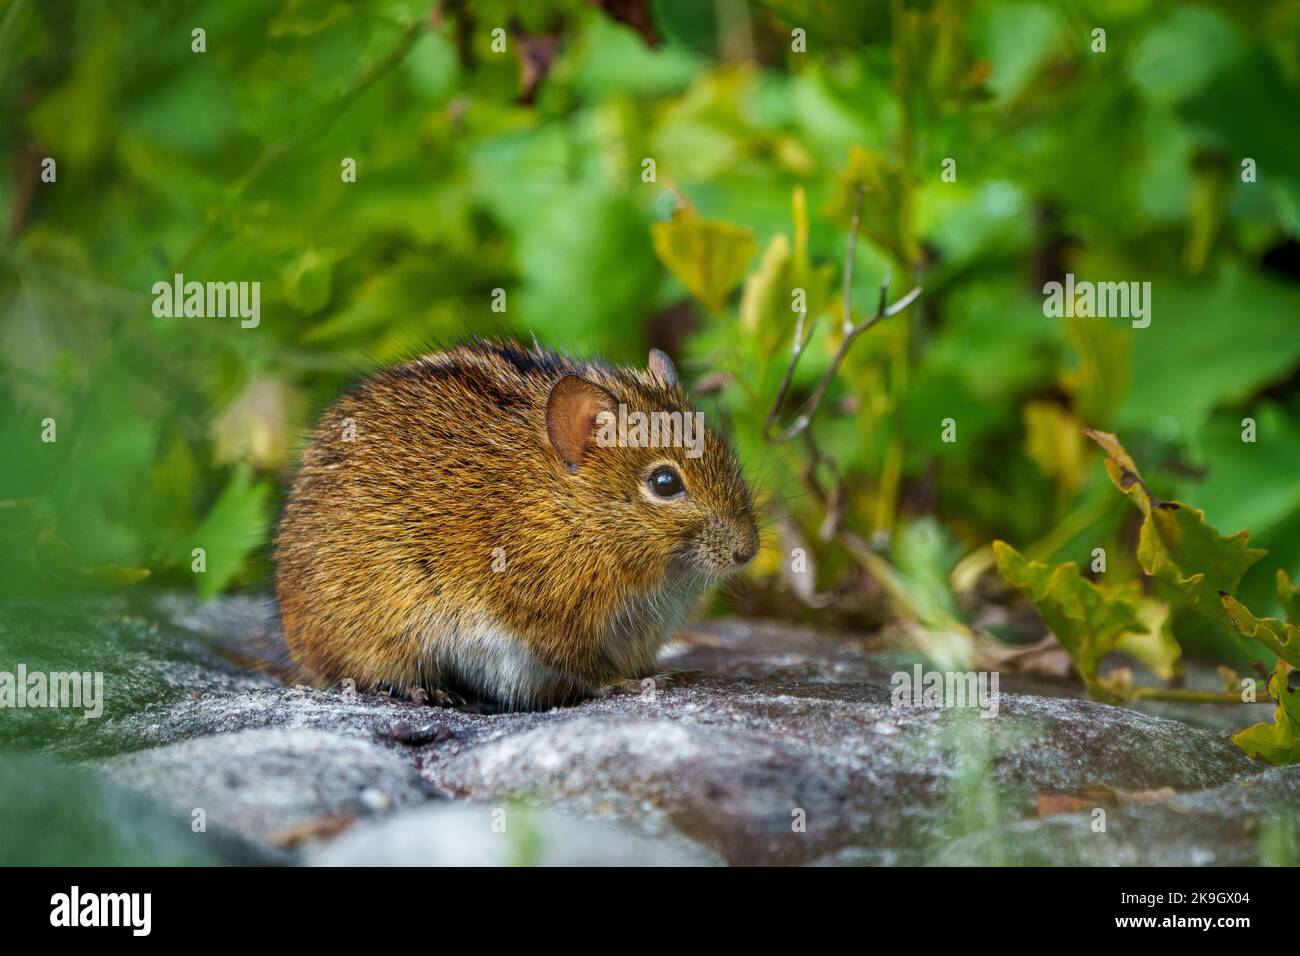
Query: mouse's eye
{"points": [[666, 483]]}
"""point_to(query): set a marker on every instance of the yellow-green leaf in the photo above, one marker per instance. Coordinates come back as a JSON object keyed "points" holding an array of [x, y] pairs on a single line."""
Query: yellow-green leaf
{"points": [[1278, 742], [1280, 638], [708, 256], [764, 289], [1088, 619], [1100, 381], [1176, 544], [1155, 645], [1054, 442]]}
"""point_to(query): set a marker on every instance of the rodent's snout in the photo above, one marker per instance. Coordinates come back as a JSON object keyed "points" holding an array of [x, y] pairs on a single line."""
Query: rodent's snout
{"points": [[746, 548], [725, 546]]}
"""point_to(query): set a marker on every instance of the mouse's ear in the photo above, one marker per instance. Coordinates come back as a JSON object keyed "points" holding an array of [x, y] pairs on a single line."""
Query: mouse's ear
{"points": [[571, 411], [661, 367]]}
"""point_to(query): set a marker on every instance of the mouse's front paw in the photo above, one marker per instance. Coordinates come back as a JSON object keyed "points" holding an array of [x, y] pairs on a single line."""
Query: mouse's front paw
{"points": [[437, 697]]}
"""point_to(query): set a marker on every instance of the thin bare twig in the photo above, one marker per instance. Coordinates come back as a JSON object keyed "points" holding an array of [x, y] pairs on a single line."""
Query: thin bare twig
{"points": [[850, 332]]}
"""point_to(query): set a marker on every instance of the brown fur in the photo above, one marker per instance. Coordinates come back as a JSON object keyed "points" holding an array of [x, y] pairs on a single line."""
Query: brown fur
{"points": [[386, 545]]}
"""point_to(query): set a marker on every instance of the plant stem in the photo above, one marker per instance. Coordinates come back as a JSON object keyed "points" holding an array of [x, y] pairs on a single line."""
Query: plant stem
{"points": [[1187, 696]]}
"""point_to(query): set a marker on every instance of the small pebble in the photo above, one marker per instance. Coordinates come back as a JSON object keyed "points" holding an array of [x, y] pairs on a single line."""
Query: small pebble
{"points": [[417, 734]]}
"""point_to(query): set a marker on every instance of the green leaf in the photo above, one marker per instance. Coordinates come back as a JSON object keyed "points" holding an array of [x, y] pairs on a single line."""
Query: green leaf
{"points": [[1289, 597], [33, 556], [1088, 619], [1278, 742], [884, 186], [61, 564], [925, 552], [709, 257], [233, 529], [613, 59], [307, 281], [1176, 545], [1282, 639], [1252, 484], [1182, 53], [1228, 367]]}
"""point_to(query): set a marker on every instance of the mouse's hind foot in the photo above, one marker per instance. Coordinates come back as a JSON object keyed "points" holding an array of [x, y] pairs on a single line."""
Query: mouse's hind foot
{"points": [[659, 681]]}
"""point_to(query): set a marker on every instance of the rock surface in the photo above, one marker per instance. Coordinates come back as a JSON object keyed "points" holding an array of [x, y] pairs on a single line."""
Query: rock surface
{"points": [[1242, 823], [442, 834], [789, 750]]}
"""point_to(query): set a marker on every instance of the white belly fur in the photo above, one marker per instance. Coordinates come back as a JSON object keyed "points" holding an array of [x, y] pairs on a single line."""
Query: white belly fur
{"points": [[476, 653], [473, 651]]}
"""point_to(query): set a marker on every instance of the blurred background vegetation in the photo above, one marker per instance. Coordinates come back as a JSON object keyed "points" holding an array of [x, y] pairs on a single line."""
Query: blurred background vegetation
{"points": [[524, 170]]}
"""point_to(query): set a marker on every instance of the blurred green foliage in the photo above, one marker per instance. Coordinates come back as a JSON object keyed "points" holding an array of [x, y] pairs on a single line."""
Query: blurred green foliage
{"points": [[524, 170]]}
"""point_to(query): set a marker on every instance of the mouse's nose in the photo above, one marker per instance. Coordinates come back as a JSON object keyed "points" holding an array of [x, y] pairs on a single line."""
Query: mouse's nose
{"points": [[744, 553]]}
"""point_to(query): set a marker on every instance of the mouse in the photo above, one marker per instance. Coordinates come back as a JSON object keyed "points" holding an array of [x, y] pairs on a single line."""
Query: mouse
{"points": [[507, 525]]}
